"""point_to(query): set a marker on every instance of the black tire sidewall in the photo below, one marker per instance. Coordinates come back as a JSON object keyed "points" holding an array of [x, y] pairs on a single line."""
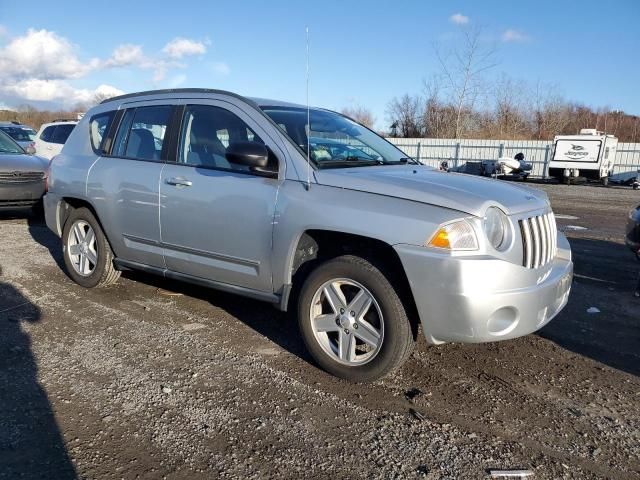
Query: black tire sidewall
{"points": [[396, 324], [96, 276]]}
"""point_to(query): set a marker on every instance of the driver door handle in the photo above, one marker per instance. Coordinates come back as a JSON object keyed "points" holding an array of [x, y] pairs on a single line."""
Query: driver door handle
{"points": [[179, 181]]}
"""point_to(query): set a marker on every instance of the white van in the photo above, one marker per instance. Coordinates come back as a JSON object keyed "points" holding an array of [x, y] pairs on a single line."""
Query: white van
{"points": [[589, 155]]}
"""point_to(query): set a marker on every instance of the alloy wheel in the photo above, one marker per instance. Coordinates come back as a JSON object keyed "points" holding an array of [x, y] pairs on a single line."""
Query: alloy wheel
{"points": [[347, 321], [83, 248]]}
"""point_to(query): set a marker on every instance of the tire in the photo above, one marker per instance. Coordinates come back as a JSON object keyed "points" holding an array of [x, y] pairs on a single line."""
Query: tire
{"points": [[100, 271], [351, 275]]}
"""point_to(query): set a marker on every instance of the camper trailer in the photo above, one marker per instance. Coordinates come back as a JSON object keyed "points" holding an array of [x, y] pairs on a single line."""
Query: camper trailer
{"points": [[587, 156]]}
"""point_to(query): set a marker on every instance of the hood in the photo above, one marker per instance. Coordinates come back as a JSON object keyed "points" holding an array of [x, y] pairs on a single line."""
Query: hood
{"points": [[22, 163], [423, 184]]}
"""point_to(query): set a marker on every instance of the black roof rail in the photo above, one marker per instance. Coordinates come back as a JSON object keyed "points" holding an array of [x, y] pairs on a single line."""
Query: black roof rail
{"points": [[63, 120], [175, 90]]}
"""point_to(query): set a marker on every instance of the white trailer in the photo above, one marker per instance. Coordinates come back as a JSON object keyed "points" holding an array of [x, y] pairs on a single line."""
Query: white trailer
{"points": [[589, 155]]}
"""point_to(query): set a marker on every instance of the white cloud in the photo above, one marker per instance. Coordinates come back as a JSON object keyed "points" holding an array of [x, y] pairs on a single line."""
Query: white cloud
{"points": [[181, 47], [42, 54], [459, 19], [39, 90], [511, 35], [221, 68], [40, 66], [106, 91], [127, 54]]}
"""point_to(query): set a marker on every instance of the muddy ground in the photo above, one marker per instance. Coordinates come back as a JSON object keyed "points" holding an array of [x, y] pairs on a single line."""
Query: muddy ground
{"points": [[156, 379]]}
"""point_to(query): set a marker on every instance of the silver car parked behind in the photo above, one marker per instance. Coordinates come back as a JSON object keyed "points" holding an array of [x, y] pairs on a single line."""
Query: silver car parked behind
{"points": [[324, 217]]}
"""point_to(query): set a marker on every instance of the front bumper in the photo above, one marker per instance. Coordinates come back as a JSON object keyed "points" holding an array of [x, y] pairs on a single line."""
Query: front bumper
{"points": [[483, 299], [632, 234], [21, 194]]}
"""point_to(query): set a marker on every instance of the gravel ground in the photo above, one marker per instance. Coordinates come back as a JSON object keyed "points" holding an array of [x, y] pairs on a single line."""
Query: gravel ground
{"points": [[156, 379]]}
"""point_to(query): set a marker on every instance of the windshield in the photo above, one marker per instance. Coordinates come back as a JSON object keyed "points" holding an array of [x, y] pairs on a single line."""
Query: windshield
{"points": [[20, 134], [7, 145], [334, 140]]}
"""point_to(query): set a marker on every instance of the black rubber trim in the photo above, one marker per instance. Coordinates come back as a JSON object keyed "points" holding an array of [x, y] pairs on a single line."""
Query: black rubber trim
{"points": [[107, 141], [168, 91], [172, 137], [225, 287]]}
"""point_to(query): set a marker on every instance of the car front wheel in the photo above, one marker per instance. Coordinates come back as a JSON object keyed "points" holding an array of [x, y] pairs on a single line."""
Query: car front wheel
{"points": [[352, 320]]}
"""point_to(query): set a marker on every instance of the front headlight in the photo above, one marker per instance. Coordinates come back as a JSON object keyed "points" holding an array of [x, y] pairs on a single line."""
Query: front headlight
{"points": [[458, 235], [496, 228]]}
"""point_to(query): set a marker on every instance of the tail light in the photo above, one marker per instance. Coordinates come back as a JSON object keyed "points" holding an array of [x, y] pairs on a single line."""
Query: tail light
{"points": [[47, 172]]}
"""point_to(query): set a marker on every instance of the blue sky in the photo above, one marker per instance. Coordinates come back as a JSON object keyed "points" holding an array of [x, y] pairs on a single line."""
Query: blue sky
{"points": [[361, 52]]}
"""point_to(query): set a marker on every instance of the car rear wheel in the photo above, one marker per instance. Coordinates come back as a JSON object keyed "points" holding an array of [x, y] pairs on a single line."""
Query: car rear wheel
{"points": [[352, 320], [87, 254]]}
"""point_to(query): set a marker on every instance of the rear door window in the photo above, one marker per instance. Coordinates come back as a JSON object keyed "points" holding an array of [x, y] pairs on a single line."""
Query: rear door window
{"points": [[142, 133]]}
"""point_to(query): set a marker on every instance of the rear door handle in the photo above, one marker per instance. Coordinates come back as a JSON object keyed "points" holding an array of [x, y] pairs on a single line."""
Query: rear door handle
{"points": [[179, 181]]}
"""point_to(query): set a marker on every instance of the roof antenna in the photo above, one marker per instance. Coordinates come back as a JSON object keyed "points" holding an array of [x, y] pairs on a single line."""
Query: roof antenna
{"points": [[308, 186]]}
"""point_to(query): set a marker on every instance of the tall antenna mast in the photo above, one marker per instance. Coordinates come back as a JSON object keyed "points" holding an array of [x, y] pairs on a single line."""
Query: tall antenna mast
{"points": [[308, 115]]}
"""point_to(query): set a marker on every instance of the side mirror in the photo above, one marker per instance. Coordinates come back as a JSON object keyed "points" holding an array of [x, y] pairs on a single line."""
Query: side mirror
{"points": [[253, 155], [31, 150]]}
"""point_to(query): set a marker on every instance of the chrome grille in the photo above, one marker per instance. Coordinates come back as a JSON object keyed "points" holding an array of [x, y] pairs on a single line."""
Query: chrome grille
{"points": [[539, 240], [21, 177]]}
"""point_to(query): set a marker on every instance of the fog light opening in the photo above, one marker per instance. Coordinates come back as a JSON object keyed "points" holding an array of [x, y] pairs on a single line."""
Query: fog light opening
{"points": [[503, 321]]}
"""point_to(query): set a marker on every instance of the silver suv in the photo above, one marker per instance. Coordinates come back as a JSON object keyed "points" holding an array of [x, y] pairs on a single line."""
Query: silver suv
{"points": [[321, 216]]}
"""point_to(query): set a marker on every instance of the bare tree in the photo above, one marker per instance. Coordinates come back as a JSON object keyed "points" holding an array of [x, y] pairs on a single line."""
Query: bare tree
{"points": [[360, 114], [550, 112], [463, 69], [438, 117], [511, 109], [404, 112]]}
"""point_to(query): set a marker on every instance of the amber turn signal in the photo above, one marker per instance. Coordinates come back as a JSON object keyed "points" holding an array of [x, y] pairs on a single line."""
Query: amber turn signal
{"points": [[440, 239]]}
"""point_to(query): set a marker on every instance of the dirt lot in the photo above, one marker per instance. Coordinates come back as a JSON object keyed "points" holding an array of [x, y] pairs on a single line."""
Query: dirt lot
{"points": [[155, 379]]}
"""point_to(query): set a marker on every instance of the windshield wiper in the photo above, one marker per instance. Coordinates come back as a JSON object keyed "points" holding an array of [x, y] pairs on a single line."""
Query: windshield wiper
{"points": [[355, 162], [401, 161]]}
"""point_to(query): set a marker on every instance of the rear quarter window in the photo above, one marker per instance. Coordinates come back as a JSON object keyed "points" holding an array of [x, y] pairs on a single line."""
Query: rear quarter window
{"points": [[98, 128]]}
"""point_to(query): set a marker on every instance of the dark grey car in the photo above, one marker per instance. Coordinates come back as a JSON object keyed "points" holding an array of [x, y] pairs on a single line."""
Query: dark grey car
{"points": [[22, 176]]}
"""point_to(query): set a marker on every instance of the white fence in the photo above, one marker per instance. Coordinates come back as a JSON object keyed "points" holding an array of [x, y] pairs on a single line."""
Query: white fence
{"points": [[432, 151]]}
